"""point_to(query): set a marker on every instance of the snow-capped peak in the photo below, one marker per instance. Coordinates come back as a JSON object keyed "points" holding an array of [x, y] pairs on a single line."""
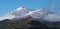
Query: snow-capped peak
{"points": [[18, 13], [20, 8], [23, 12]]}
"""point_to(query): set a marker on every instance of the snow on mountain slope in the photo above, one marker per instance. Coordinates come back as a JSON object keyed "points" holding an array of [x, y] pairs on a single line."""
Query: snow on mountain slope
{"points": [[38, 14], [7, 16], [19, 12], [23, 12]]}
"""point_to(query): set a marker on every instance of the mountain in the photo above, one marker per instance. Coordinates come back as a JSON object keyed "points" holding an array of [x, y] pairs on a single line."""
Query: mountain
{"points": [[23, 12], [29, 18], [15, 13]]}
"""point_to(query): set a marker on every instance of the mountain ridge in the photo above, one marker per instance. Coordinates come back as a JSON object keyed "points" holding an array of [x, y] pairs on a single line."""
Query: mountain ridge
{"points": [[19, 12], [23, 12]]}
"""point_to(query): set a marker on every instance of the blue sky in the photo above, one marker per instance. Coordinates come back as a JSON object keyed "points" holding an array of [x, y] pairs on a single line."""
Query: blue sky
{"points": [[7, 6]]}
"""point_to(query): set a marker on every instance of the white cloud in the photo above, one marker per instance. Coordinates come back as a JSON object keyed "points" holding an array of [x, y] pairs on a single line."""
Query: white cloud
{"points": [[52, 17]]}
